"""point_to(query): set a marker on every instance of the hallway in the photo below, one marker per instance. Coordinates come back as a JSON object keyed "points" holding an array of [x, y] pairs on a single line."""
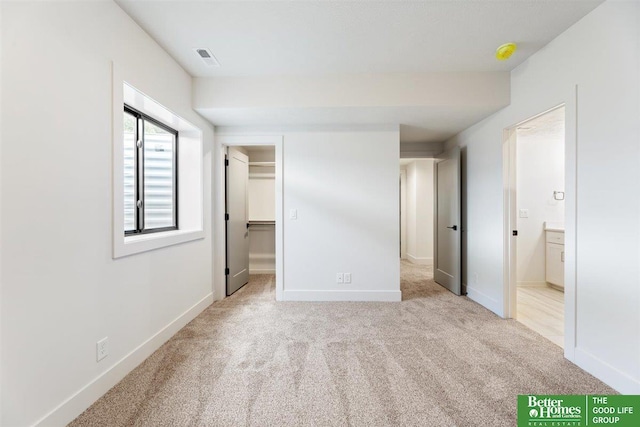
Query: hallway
{"points": [[433, 359]]}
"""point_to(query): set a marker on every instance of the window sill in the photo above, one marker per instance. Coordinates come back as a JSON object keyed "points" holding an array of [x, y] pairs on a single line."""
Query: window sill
{"points": [[131, 245]]}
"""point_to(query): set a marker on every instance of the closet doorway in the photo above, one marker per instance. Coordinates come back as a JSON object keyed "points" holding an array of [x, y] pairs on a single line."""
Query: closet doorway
{"points": [[252, 190]]}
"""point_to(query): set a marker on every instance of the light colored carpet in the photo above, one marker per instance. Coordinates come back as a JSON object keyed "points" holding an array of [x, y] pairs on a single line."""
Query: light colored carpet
{"points": [[433, 359]]}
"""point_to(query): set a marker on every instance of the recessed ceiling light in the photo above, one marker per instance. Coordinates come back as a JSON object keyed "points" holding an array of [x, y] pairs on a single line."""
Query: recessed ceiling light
{"points": [[505, 51], [206, 56]]}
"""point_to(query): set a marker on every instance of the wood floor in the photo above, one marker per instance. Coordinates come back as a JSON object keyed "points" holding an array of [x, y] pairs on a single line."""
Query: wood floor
{"points": [[542, 309]]}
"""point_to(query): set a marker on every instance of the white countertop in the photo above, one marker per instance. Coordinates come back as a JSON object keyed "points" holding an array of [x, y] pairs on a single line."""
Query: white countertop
{"points": [[554, 226]]}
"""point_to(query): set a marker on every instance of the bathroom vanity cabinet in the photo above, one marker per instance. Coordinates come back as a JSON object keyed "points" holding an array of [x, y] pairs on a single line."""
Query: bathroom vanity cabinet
{"points": [[555, 257]]}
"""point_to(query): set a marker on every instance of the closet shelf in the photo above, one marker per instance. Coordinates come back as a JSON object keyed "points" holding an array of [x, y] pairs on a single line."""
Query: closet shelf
{"points": [[262, 222], [263, 164]]}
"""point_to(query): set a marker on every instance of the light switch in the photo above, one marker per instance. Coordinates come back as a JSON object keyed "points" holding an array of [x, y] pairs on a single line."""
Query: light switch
{"points": [[293, 214], [524, 213]]}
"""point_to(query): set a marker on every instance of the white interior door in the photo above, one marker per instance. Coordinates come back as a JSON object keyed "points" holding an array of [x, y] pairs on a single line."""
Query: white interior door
{"points": [[237, 184], [447, 251]]}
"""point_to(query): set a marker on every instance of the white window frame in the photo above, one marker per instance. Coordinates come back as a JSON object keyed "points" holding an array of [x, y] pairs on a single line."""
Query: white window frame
{"points": [[190, 174]]}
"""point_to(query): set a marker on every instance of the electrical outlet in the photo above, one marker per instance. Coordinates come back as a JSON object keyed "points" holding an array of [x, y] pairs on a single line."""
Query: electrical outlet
{"points": [[347, 277], [102, 349], [339, 278]]}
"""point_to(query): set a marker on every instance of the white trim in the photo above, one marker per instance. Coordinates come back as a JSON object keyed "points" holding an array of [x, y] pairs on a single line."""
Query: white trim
{"points": [[222, 141], [1, 192], [483, 299], [403, 213], [190, 173], [262, 271], [571, 223], [147, 242], [570, 266], [510, 222], [420, 260], [73, 406], [622, 382], [356, 296]]}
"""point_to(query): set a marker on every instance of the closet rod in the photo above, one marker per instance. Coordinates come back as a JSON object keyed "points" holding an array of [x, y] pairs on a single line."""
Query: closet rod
{"points": [[263, 222], [265, 164]]}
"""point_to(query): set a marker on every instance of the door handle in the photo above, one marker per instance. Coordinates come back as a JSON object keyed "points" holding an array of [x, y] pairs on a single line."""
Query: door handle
{"points": [[454, 228]]}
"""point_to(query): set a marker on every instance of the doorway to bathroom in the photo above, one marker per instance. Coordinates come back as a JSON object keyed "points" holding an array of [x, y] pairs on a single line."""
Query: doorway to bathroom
{"points": [[537, 216]]}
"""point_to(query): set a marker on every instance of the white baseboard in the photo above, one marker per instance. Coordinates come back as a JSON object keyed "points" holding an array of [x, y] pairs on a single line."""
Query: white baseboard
{"points": [[606, 373], [531, 284], [262, 270], [419, 260], [68, 410], [380, 296], [485, 300]]}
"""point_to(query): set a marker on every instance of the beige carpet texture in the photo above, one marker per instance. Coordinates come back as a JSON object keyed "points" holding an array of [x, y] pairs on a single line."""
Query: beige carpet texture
{"points": [[434, 359]]}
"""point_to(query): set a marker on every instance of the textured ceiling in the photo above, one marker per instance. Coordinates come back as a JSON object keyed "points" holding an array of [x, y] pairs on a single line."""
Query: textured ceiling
{"points": [[323, 37]]}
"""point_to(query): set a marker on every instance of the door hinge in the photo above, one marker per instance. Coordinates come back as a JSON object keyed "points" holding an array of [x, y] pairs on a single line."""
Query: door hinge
{"points": [[226, 271], [514, 232], [226, 162], [226, 217]]}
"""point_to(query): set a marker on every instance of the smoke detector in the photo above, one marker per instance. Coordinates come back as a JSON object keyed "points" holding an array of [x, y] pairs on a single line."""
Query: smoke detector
{"points": [[505, 51], [206, 56]]}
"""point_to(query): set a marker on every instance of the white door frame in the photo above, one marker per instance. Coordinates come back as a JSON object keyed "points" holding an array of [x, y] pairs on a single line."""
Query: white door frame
{"points": [[510, 220], [403, 213], [223, 141]]}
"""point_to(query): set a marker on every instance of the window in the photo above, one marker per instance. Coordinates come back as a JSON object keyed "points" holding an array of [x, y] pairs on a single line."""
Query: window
{"points": [[150, 174], [170, 162]]}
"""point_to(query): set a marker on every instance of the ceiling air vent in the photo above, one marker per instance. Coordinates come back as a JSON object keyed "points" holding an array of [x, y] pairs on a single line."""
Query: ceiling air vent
{"points": [[207, 57]]}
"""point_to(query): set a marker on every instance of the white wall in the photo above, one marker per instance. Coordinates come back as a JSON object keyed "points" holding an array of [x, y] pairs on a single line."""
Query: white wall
{"points": [[600, 54], [540, 172], [344, 186], [262, 193], [61, 289], [444, 99], [262, 207], [411, 209], [420, 211]]}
